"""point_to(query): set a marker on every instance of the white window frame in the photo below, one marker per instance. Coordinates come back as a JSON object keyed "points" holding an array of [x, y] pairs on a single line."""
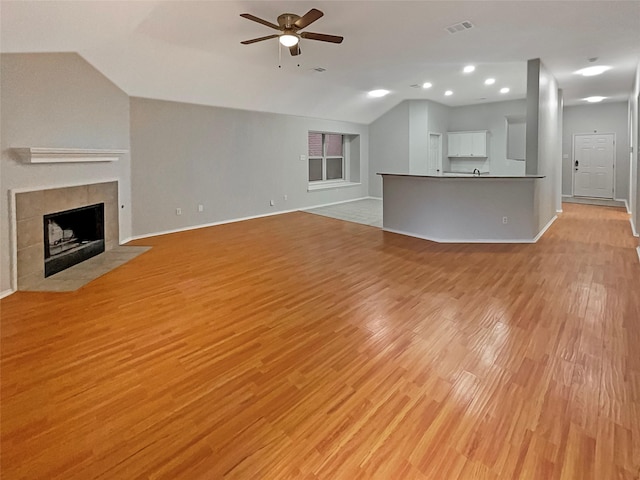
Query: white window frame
{"points": [[324, 158]]}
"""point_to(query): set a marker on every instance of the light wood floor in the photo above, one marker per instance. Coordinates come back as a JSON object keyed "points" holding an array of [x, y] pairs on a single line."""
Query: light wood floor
{"points": [[299, 346]]}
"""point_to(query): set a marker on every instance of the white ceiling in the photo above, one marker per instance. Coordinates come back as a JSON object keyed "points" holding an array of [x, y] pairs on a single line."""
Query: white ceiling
{"points": [[190, 51]]}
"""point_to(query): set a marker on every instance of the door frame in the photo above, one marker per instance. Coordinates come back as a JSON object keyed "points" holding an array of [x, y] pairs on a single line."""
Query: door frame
{"points": [[573, 159], [440, 152]]}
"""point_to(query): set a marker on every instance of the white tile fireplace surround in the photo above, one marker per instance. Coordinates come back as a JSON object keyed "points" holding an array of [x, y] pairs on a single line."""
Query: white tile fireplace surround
{"points": [[32, 206]]}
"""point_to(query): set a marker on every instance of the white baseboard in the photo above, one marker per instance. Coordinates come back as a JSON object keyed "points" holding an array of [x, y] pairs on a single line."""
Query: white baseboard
{"points": [[545, 228], [456, 240], [638, 251], [6, 293], [567, 196], [205, 225], [231, 220], [626, 203], [329, 204], [633, 227]]}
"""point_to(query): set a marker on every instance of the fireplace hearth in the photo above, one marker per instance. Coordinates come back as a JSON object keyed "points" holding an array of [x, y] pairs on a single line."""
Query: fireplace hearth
{"points": [[72, 236]]}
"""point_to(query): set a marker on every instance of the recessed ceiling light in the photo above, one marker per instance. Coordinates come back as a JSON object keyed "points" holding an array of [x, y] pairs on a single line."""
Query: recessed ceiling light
{"points": [[504, 90], [490, 81], [448, 93], [378, 93], [591, 71], [594, 99], [468, 69], [427, 85]]}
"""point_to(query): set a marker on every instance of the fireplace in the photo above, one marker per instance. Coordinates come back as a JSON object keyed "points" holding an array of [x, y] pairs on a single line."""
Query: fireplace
{"points": [[72, 236], [30, 208]]}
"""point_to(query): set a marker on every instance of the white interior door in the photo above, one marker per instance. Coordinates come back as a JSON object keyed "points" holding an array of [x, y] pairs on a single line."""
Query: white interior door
{"points": [[435, 153], [593, 165]]}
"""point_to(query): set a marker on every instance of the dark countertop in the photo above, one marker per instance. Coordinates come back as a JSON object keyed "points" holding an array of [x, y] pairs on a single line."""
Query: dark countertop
{"points": [[464, 176]]}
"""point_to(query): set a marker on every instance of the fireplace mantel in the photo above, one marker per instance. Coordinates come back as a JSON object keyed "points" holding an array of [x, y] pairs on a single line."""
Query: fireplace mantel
{"points": [[68, 155]]}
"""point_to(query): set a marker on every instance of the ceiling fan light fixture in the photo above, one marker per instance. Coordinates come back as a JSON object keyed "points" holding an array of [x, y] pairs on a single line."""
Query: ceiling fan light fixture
{"points": [[288, 40], [595, 99]]}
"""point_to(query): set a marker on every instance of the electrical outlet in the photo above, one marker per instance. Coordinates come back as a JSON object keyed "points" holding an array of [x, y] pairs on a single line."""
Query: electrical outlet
{"points": [[272, 203], [178, 211], [285, 197], [303, 158], [505, 220], [201, 208]]}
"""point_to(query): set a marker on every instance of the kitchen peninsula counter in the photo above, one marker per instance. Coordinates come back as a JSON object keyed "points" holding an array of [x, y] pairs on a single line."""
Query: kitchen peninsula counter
{"points": [[461, 208]]}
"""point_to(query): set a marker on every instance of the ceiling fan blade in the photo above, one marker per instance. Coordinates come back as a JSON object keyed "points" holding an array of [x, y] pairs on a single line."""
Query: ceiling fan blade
{"points": [[295, 50], [254, 40], [322, 37], [248, 16], [308, 18]]}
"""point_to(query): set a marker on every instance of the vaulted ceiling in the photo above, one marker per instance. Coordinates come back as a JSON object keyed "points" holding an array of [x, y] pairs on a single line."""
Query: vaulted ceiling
{"points": [[190, 51]]}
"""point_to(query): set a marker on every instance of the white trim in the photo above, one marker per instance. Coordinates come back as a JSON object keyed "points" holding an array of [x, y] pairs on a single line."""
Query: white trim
{"points": [[326, 185], [333, 203], [206, 225], [6, 293], [626, 204], [633, 227], [68, 155], [232, 220], [545, 228], [567, 196], [559, 211], [637, 250], [13, 239], [374, 198], [454, 240]]}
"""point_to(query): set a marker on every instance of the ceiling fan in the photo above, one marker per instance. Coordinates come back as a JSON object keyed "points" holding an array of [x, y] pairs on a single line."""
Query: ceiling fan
{"points": [[289, 25]]}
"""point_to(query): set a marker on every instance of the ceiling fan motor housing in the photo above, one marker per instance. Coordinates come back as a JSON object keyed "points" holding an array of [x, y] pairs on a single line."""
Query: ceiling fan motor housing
{"points": [[287, 20]]}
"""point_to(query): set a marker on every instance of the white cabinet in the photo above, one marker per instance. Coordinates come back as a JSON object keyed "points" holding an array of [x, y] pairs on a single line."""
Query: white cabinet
{"points": [[467, 144]]}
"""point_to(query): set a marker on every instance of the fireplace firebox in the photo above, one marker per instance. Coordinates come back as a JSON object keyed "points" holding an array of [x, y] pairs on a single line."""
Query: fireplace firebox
{"points": [[72, 236]]}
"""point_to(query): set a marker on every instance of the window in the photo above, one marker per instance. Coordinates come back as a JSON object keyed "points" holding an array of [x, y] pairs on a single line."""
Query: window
{"points": [[326, 157]]}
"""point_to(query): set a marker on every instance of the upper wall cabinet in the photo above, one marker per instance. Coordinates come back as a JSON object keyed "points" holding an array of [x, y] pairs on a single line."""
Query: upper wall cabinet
{"points": [[467, 144]]}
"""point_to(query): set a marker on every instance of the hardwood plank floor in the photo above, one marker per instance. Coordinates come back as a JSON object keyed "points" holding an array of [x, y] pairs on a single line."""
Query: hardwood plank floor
{"points": [[299, 346]]}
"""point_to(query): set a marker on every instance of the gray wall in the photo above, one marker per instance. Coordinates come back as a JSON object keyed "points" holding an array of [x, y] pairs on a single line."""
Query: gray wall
{"points": [[233, 162], [58, 100], [418, 137], [544, 155], [426, 116], [634, 125], [491, 117], [388, 146], [597, 118]]}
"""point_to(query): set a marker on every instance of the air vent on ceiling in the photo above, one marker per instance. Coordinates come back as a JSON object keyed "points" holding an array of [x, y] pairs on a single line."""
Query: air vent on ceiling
{"points": [[319, 69], [415, 85], [459, 27]]}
